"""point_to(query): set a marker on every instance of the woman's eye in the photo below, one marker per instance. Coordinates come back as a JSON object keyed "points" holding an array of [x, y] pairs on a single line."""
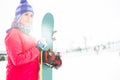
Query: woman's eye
{"points": [[31, 15], [26, 14]]}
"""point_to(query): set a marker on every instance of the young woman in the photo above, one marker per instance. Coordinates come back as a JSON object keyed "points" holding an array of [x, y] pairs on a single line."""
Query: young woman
{"points": [[23, 55]]}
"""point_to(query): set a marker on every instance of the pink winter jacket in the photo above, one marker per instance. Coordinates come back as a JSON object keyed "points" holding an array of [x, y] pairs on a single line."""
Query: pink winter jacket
{"points": [[23, 62]]}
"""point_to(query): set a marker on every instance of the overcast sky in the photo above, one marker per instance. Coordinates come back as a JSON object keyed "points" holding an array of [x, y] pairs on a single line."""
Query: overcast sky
{"points": [[96, 21]]}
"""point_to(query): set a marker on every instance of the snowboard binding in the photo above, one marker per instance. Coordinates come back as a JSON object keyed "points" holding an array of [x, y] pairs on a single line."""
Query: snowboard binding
{"points": [[52, 59]]}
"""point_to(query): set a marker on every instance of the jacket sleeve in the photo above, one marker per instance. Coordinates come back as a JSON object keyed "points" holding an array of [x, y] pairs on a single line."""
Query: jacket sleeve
{"points": [[15, 51]]}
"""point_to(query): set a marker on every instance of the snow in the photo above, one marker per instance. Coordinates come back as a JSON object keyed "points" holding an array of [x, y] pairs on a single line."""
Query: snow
{"points": [[78, 66], [3, 70], [83, 66]]}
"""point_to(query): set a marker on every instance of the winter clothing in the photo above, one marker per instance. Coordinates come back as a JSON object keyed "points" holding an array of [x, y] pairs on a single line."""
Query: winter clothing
{"points": [[23, 62], [22, 8], [24, 29], [42, 44], [23, 55]]}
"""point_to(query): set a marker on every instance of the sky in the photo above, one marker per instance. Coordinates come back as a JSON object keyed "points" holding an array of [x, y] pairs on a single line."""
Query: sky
{"points": [[77, 21]]}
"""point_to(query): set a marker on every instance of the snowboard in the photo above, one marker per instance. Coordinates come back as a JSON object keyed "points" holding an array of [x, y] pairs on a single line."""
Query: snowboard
{"points": [[47, 29]]}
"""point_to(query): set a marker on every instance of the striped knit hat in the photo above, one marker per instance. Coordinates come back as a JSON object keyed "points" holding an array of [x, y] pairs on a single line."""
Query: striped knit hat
{"points": [[22, 8]]}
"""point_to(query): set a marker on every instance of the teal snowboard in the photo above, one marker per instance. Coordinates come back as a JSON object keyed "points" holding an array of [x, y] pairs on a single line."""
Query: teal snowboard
{"points": [[47, 30]]}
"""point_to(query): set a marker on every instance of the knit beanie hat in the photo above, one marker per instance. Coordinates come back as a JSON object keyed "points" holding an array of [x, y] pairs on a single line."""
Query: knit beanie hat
{"points": [[22, 8]]}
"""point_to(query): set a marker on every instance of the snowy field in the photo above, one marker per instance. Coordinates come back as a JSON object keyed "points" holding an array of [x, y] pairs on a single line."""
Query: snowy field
{"points": [[3, 70], [84, 66], [76, 66]]}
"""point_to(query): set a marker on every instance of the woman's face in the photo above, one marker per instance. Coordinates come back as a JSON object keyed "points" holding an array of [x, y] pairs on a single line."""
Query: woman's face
{"points": [[26, 19]]}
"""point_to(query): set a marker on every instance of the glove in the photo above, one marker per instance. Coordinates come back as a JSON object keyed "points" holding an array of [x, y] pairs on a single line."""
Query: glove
{"points": [[41, 44]]}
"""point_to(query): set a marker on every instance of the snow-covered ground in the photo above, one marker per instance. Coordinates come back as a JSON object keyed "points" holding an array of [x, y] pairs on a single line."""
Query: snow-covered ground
{"points": [[83, 66], [3, 70], [77, 66]]}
